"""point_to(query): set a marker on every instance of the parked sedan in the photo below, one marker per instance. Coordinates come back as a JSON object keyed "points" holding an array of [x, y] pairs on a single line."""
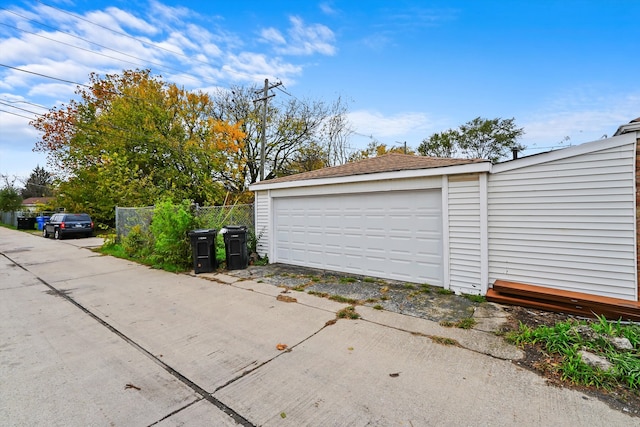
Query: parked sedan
{"points": [[66, 224]]}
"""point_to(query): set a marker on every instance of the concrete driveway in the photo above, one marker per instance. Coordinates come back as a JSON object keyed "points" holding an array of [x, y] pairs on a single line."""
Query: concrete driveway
{"points": [[93, 340]]}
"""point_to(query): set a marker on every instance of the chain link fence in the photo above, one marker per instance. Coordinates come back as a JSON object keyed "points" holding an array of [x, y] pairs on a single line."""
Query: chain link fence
{"points": [[127, 218], [207, 217]]}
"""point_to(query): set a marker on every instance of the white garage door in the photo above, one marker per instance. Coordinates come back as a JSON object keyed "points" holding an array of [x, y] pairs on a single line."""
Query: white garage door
{"points": [[394, 235]]}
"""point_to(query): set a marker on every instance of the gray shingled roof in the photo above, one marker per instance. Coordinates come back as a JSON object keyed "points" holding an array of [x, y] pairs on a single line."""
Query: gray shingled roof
{"points": [[387, 163]]}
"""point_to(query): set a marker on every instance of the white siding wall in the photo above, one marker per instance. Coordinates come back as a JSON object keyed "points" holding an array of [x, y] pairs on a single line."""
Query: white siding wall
{"points": [[262, 215], [464, 234], [567, 224]]}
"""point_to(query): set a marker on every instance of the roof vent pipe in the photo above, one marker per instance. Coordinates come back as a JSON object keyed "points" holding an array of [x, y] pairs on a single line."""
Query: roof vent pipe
{"points": [[514, 151]]}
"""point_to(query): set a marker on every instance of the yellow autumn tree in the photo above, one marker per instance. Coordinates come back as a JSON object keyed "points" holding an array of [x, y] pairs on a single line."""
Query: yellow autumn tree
{"points": [[132, 138]]}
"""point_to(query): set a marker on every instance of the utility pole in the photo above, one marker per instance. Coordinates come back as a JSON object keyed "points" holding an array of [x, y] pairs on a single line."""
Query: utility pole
{"points": [[265, 99]]}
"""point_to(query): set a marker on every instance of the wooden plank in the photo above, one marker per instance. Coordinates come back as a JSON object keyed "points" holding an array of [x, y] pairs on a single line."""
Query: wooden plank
{"points": [[579, 298], [527, 297], [505, 299]]}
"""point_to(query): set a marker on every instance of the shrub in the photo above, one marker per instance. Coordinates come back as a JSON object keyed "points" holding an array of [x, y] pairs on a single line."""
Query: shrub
{"points": [[169, 227], [138, 243]]}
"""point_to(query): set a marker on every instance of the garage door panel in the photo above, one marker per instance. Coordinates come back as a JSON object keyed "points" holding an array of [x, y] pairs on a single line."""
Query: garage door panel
{"points": [[392, 234]]}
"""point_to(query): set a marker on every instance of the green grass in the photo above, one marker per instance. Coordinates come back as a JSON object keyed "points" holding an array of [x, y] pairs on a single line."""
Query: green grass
{"points": [[344, 280], [262, 261], [563, 342], [409, 286], [466, 323], [117, 250], [443, 291], [369, 280], [318, 294], [475, 298], [340, 298], [348, 313], [444, 340], [425, 289], [378, 307]]}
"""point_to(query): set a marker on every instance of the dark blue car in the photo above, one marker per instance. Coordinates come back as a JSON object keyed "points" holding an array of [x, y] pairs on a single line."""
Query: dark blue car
{"points": [[62, 225]]}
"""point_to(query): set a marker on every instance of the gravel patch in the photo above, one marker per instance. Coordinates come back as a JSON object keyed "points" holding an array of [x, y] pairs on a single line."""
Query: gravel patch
{"points": [[412, 299]]}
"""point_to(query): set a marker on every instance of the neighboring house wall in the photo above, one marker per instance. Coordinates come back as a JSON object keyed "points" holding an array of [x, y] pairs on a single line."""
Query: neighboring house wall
{"points": [[567, 222], [262, 214], [637, 167], [465, 243]]}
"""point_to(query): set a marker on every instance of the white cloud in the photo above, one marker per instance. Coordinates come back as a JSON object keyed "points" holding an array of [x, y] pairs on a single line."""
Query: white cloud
{"points": [[162, 15], [259, 66], [302, 39], [131, 21], [395, 126], [328, 9], [273, 36], [580, 119]]}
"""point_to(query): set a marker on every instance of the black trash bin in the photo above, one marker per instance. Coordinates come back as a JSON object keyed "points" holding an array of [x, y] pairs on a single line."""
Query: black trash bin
{"points": [[235, 246], [203, 245], [25, 223]]}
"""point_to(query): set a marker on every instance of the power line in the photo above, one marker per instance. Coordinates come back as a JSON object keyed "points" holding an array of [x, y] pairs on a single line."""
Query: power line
{"points": [[146, 43], [45, 76], [143, 42], [25, 102], [145, 61], [72, 82], [16, 114], [18, 108]]}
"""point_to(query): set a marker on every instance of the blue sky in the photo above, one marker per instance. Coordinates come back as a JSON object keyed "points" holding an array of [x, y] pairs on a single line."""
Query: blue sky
{"points": [[567, 71]]}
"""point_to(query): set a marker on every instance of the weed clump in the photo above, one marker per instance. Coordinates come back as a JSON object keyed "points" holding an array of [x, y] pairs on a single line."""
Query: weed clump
{"points": [[566, 341], [348, 313], [340, 298]]}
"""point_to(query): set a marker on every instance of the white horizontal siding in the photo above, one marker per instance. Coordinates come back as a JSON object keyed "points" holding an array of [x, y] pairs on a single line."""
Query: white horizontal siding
{"points": [[567, 224], [262, 215], [464, 235]]}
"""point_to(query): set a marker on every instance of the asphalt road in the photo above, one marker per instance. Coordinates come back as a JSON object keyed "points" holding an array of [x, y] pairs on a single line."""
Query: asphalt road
{"points": [[92, 340]]}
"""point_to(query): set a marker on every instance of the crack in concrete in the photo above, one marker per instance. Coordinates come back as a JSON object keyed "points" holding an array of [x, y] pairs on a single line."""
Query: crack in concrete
{"points": [[192, 385]]}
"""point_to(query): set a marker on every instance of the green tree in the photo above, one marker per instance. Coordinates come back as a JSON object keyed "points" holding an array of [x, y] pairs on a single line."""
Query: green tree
{"points": [[10, 199], [132, 138], [376, 148], [442, 144], [310, 157], [492, 139], [39, 184]]}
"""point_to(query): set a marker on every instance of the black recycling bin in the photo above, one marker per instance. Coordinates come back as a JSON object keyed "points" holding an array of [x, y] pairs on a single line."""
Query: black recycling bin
{"points": [[203, 245], [235, 246]]}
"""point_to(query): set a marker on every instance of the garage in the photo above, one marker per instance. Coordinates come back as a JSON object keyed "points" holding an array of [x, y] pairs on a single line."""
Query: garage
{"points": [[402, 217], [395, 234]]}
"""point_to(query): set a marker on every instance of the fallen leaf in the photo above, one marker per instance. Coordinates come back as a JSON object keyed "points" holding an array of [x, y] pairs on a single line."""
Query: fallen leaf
{"points": [[331, 322], [394, 375], [285, 298], [281, 347], [283, 415], [128, 385]]}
